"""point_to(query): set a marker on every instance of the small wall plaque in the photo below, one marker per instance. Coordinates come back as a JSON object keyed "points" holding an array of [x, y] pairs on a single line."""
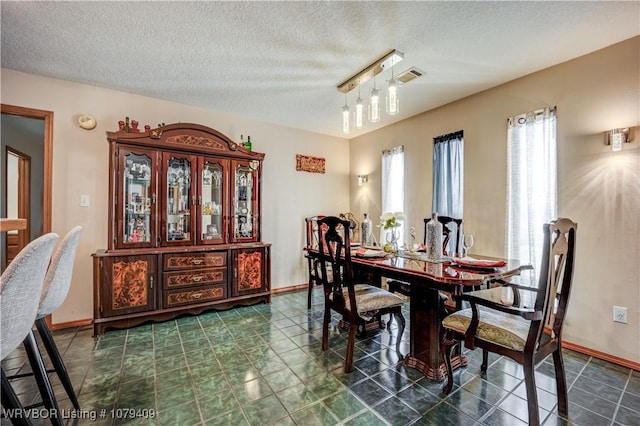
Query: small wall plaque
{"points": [[305, 163]]}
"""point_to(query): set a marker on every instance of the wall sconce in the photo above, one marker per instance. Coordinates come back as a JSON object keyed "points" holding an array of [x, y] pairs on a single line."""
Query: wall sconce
{"points": [[616, 137], [362, 179]]}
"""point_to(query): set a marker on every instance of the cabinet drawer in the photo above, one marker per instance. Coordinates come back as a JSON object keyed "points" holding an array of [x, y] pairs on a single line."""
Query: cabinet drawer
{"points": [[189, 297], [181, 279], [175, 261]]}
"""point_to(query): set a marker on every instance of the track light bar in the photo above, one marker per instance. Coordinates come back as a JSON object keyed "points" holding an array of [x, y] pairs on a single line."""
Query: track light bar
{"points": [[389, 59]]}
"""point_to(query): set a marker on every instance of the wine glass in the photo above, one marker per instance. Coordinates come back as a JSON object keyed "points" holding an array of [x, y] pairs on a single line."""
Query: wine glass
{"points": [[411, 246], [467, 243]]}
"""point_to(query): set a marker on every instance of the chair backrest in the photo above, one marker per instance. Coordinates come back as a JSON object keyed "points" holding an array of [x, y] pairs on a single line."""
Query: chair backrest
{"points": [[451, 228], [556, 273], [20, 289], [354, 226], [334, 260], [311, 229], [58, 278]]}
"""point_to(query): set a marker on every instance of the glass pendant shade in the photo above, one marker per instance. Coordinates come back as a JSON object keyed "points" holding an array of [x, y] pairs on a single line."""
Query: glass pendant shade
{"points": [[345, 119], [359, 111], [616, 141], [373, 103], [392, 98], [374, 106]]}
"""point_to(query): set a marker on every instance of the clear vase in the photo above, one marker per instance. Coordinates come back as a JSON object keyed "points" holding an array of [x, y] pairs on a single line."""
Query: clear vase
{"points": [[365, 231], [434, 239], [392, 239]]}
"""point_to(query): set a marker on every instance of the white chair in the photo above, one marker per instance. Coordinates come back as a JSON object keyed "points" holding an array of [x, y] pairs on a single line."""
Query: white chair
{"points": [[20, 290], [54, 292]]}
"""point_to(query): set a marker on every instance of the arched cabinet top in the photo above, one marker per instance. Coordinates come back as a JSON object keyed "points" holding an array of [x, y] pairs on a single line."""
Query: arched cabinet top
{"points": [[186, 137]]}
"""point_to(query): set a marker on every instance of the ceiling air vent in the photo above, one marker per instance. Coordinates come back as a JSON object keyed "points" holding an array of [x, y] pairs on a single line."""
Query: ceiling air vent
{"points": [[409, 75]]}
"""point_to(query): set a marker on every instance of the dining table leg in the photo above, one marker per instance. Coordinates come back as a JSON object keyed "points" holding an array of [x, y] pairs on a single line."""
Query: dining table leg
{"points": [[425, 307], [425, 334]]}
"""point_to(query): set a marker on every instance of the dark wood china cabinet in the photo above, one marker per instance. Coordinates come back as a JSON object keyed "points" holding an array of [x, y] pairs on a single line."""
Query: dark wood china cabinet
{"points": [[184, 227]]}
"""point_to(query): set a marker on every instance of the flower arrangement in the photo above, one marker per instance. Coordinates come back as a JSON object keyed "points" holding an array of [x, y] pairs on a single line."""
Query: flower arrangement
{"points": [[391, 220]]}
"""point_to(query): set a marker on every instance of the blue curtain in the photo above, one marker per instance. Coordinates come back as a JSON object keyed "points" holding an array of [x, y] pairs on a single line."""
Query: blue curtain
{"points": [[448, 175]]}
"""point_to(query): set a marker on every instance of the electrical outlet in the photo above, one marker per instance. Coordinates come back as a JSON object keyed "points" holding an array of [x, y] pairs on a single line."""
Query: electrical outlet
{"points": [[620, 314]]}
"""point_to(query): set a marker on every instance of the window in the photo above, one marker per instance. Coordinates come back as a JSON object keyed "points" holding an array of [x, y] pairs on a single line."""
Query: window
{"points": [[393, 187], [448, 178], [448, 175], [531, 182]]}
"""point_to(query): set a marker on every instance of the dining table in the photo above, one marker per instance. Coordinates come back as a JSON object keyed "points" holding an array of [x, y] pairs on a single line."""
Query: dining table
{"points": [[426, 280], [9, 224]]}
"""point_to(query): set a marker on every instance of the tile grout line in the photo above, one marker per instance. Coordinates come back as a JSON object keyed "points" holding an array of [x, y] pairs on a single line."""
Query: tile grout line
{"points": [[252, 323], [620, 398]]}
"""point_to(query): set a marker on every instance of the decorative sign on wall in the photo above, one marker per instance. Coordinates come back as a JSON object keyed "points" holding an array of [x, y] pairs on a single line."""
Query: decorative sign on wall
{"points": [[305, 163]]}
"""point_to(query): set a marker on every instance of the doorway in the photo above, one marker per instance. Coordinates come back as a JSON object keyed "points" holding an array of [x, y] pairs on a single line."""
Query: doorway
{"points": [[18, 199], [27, 147]]}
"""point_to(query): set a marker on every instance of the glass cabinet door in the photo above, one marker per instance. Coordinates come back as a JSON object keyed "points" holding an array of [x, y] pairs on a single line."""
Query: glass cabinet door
{"points": [[178, 218], [211, 177], [245, 203], [136, 218]]}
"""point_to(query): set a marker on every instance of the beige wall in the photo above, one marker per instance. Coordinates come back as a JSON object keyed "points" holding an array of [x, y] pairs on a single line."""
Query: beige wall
{"points": [[597, 188], [80, 166]]}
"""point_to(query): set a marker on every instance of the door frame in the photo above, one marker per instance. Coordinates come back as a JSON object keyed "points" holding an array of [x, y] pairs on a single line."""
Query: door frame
{"points": [[47, 116], [24, 191]]}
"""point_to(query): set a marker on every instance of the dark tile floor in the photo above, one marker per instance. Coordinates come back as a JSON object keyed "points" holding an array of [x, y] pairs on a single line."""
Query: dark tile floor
{"points": [[263, 365]]}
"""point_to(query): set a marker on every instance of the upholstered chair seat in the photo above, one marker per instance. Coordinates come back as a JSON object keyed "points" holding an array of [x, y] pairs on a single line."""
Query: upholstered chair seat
{"points": [[502, 329], [370, 299]]}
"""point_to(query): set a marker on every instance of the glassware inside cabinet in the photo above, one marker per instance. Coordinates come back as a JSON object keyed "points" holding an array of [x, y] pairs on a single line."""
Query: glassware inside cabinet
{"points": [[211, 193], [178, 200], [244, 196], [137, 198]]}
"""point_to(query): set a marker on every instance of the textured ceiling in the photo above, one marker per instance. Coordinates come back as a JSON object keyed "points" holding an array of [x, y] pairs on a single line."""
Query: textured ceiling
{"points": [[280, 62]]}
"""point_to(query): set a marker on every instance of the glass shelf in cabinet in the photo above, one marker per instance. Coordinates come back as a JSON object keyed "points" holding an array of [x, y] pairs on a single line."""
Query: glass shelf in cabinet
{"points": [[135, 180]]}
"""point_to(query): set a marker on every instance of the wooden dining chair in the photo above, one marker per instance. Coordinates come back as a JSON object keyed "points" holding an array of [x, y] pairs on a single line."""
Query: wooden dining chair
{"points": [[525, 326], [355, 302], [451, 232], [311, 233]]}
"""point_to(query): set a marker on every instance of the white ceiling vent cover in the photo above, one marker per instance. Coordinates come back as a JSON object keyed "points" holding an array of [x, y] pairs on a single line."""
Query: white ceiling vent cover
{"points": [[408, 75]]}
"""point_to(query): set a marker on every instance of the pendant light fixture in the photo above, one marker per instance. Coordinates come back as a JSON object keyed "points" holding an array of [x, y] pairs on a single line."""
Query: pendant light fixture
{"points": [[359, 111], [392, 95], [387, 61], [345, 117], [374, 104]]}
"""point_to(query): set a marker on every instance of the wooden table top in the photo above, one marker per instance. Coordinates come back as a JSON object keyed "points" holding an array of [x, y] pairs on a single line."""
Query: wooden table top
{"points": [[12, 224]]}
